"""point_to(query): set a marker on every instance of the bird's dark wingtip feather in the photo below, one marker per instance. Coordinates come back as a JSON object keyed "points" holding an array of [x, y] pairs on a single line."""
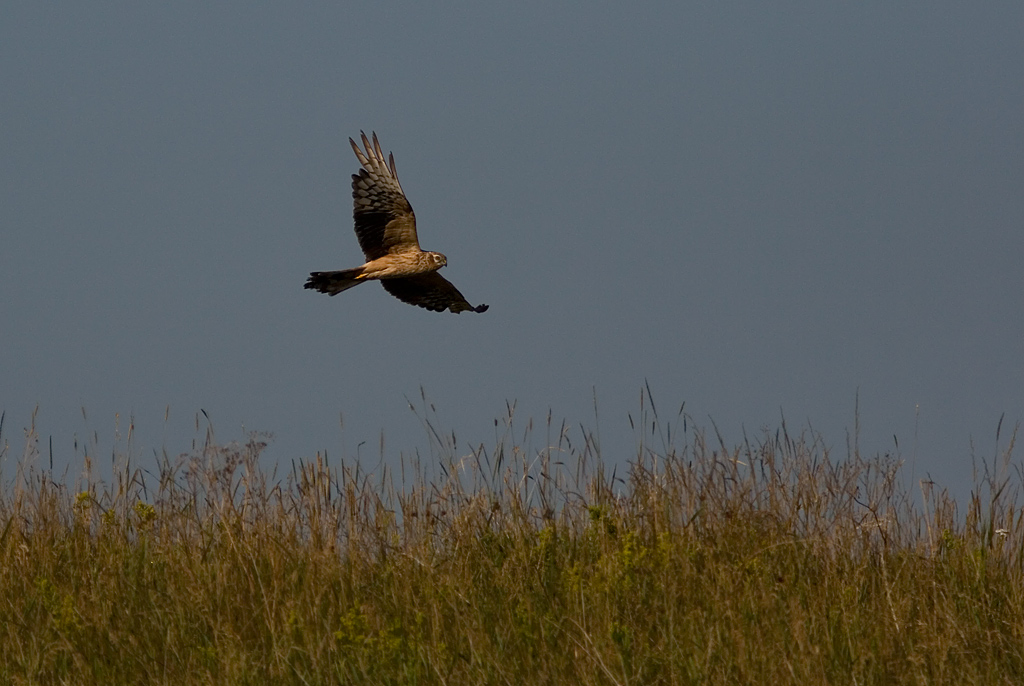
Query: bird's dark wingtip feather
{"points": [[480, 308]]}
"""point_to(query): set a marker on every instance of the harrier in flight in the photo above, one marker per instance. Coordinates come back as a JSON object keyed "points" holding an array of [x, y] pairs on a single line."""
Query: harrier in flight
{"points": [[386, 229]]}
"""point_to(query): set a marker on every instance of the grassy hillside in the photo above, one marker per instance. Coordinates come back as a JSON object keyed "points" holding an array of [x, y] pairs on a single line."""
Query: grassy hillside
{"points": [[771, 562]]}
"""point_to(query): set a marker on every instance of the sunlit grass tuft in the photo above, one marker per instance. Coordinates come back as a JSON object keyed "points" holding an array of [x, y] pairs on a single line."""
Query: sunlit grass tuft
{"points": [[772, 562]]}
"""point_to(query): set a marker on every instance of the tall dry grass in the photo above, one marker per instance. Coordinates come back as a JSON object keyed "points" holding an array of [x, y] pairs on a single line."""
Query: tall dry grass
{"points": [[774, 561]]}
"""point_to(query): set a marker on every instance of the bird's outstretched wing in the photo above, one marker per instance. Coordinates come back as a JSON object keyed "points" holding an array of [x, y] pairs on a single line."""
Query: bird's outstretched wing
{"points": [[431, 291], [384, 219]]}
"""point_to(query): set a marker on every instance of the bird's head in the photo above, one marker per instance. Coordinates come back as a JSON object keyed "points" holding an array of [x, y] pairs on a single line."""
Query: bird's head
{"points": [[438, 260]]}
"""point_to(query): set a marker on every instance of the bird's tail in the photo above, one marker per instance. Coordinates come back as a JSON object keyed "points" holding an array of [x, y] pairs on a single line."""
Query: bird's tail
{"points": [[333, 283]]}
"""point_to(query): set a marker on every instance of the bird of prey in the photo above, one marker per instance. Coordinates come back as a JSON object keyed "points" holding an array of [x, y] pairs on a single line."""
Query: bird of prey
{"points": [[386, 229]]}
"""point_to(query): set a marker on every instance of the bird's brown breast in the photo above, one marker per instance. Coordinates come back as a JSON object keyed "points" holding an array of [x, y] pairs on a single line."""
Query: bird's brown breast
{"points": [[397, 265]]}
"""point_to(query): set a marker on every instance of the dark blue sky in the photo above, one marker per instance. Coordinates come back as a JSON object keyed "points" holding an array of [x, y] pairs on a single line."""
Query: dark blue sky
{"points": [[758, 208]]}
